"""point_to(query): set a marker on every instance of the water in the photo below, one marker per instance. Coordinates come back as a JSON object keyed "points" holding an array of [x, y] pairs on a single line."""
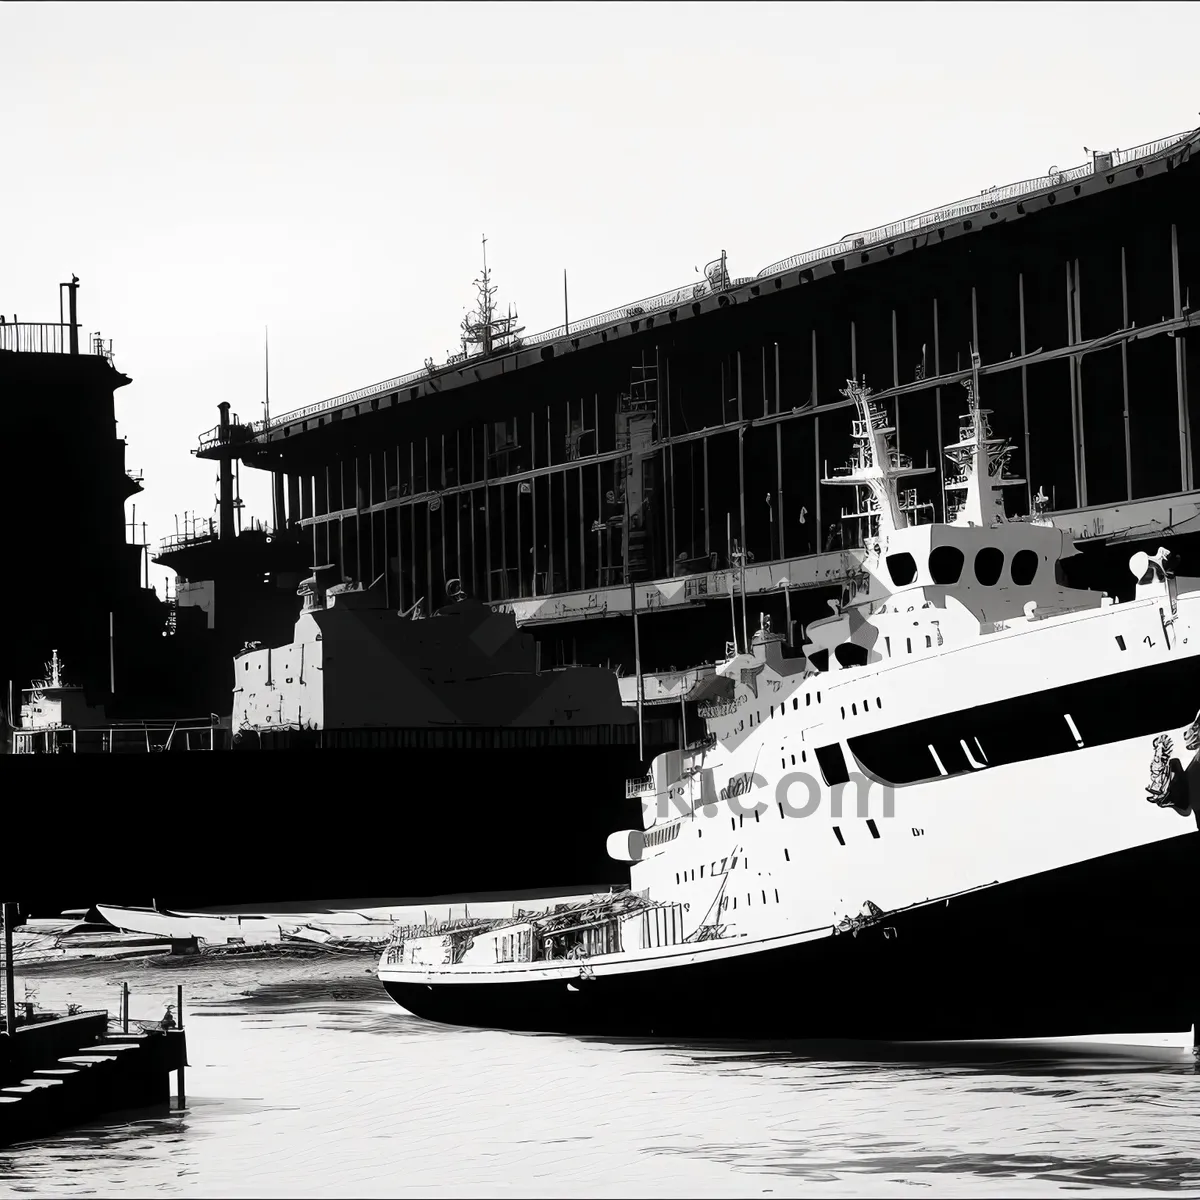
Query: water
{"points": [[306, 1080]]}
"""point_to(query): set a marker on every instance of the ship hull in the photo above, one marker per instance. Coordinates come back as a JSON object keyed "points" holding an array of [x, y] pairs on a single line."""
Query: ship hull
{"points": [[1103, 946], [219, 829]]}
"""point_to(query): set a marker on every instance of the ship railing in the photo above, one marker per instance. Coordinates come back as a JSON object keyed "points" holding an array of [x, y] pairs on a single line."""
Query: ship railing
{"points": [[961, 208], [178, 541], [239, 432], [37, 337], [642, 786], [142, 737], [692, 292]]}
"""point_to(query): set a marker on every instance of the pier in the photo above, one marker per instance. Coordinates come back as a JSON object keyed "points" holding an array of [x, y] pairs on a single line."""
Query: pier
{"points": [[61, 1071]]}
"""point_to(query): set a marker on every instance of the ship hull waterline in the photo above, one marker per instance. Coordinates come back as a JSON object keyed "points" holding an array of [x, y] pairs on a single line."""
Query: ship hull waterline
{"points": [[1099, 947]]}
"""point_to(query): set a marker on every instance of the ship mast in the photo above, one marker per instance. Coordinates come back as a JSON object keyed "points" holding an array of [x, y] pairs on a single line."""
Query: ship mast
{"points": [[874, 470], [483, 332], [980, 461]]}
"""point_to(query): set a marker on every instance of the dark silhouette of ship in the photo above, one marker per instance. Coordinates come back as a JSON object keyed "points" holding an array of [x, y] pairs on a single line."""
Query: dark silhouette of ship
{"points": [[358, 674], [399, 757]]}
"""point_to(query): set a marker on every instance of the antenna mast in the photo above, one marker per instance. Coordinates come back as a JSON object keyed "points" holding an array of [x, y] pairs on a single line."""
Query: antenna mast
{"points": [[267, 364], [483, 329]]}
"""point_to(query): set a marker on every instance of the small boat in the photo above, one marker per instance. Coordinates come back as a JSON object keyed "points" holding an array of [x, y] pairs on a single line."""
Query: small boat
{"points": [[363, 927]]}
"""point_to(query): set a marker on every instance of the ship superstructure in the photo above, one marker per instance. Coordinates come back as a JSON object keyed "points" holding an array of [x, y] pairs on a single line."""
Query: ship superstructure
{"points": [[934, 824], [359, 673]]}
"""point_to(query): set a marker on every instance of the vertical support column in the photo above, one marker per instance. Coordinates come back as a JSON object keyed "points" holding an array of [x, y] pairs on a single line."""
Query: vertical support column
{"points": [[707, 531], [853, 351], [533, 496], [280, 501], [549, 507], [504, 541], [779, 486], [458, 503], [600, 518], [428, 533], [1185, 432], [412, 519], [673, 544], [442, 515], [1077, 368], [327, 557], [341, 519], [487, 516], [399, 538], [1025, 395], [472, 506], [741, 460], [820, 529], [1072, 338], [779, 455], [293, 500], [583, 534], [566, 540], [1125, 380], [371, 516], [358, 571], [896, 376], [937, 406]]}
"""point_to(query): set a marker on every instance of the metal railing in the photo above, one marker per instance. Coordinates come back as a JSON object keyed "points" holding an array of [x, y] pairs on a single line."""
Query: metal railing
{"points": [[141, 737], [178, 541], [50, 337], [36, 337], [642, 786], [962, 208], [694, 291]]}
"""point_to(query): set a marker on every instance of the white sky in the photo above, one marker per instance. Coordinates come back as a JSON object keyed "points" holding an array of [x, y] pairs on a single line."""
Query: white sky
{"points": [[328, 169]]}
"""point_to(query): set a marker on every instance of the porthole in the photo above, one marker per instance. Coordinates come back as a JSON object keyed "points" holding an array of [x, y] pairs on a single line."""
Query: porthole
{"points": [[989, 562], [945, 565], [1023, 568], [902, 568]]}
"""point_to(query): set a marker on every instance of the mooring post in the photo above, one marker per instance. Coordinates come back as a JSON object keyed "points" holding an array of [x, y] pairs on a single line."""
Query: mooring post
{"points": [[183, 1047]]}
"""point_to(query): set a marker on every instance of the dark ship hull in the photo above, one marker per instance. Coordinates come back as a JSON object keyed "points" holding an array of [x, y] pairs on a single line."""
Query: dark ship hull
{"points": [[202, 829], [1019, 960], [375, 756]]}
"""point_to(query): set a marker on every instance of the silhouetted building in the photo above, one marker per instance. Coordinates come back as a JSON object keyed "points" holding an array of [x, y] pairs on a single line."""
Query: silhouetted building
{"points": [[72, 579]]}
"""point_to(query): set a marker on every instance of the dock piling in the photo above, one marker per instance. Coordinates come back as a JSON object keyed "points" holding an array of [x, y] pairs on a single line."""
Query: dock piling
{"points": [[183, 1054]]}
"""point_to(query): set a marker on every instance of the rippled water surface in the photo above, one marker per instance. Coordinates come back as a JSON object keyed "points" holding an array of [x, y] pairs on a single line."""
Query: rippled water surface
{"points": [[306, 1081]]}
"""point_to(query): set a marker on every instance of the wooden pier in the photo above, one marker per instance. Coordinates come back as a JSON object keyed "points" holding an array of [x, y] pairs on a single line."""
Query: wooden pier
{"points": [[66, 1071]]}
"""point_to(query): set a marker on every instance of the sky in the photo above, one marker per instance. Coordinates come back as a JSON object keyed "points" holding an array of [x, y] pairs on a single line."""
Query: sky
{"points": [[327, 171]]}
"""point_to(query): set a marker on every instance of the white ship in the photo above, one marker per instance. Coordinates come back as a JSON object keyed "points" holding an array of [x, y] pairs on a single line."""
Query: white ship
{"points": [[966, 813]]}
